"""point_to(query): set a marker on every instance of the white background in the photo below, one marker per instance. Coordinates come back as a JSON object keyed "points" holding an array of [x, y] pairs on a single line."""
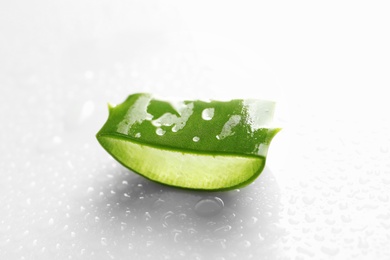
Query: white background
{"points": [[325, 191]]}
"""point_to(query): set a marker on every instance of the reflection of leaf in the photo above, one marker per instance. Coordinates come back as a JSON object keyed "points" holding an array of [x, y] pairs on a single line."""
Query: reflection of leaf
{"points": [[176, 144]]}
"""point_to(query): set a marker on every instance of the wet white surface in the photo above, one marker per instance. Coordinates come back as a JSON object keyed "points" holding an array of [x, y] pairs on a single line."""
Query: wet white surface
{"points": [[324, 193]]}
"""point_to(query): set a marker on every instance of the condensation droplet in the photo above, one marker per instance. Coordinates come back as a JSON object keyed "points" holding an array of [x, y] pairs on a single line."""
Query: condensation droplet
{"points": [[319, 237], [165, 218], [330, 251], [147, 216], [208, 113], [309, 218], [209, 207], [175, 128], [308, 200], [158, 203], [160, 131], [363, 244], [305, 251], [346, 218], [343, 205], [293, 221], [138, 135], [176, 234], [383, 197], [223, 230], [330, 221], [244, 244], [196, 139]]}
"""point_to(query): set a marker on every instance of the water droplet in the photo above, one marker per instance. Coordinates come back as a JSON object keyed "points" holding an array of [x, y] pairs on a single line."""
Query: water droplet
{"points": [[138, 135], [51, 221], [192, 231], [343, 205], [330, 221], [103, 241], [176, 234], [196, 139], [252, 222], [223, 230], [261, 237], [158, 203], [363, 244], [319, 237], [305, 251], [346, 218], [175, 128], [149, 229], [244, 244], [308, 199], [383, 197], [293, 221], [293, 199], [165, 218], [309, 218], [160, 131], [147, 216], [330, 251], [120, 187], [209, 207], [291, 211], [208, 113]]}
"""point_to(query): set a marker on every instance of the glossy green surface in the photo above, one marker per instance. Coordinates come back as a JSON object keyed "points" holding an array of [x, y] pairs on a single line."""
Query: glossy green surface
{"points": [[233, 137]]}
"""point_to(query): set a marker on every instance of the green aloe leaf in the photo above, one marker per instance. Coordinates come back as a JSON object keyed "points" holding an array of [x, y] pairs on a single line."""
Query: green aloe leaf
{"points": [[215, 145]]}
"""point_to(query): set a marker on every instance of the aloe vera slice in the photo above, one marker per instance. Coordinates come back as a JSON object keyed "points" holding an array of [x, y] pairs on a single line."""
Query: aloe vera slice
{"points": [[216, 145]]}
